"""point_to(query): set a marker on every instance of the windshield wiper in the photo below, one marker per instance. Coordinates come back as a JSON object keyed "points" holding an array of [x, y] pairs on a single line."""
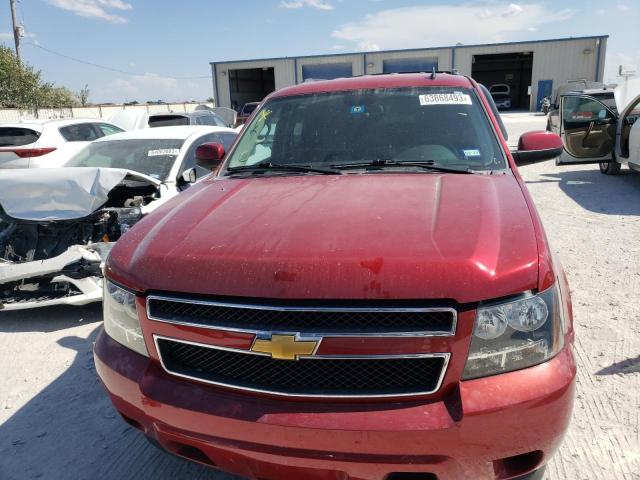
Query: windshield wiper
{"points": [[380, 163], [269, 166]]}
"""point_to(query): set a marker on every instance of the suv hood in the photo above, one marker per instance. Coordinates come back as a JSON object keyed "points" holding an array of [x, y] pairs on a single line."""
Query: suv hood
{"points": [[44, 194], [385, 236]]}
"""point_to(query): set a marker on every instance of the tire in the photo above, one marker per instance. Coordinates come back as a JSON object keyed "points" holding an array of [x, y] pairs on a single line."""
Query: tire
{"points": [[610, 168]]}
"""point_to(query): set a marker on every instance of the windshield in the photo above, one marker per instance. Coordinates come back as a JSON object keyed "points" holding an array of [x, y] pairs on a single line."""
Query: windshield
{"points": [[446, 126], [168, 120], [149, 156]]}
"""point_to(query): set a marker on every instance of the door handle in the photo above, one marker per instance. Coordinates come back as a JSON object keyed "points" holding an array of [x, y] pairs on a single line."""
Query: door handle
{"points": [[589, 130]]}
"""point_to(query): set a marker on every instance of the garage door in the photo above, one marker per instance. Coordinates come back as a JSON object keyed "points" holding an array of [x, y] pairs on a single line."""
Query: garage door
{"points": [[404, 65]]}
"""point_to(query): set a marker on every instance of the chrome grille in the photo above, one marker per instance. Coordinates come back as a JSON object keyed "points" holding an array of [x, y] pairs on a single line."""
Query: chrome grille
{"points": [[373, 376], [325, 320]]}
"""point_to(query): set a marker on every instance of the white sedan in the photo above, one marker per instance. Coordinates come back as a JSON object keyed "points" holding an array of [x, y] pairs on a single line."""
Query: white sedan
{"points": [[58, 224], [48, 143]]}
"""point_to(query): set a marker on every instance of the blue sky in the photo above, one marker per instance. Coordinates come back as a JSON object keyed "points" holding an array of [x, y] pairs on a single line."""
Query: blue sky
{"points": [[156, 40]]}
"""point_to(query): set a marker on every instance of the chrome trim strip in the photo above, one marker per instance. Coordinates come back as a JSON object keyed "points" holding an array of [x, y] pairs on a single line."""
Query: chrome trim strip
{"points": [[435, 333], [445, 356]]}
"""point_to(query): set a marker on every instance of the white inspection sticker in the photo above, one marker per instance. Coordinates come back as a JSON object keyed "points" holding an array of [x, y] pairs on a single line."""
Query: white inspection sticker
{"points": [[471, 153], [163, 151], [455, 98]]}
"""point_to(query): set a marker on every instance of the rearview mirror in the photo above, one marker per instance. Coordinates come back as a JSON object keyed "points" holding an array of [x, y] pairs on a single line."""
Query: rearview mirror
{"points": [[209, 155], [537, 146]]}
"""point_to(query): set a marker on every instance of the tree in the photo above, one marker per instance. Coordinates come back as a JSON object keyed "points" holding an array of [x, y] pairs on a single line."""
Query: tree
{"points": [[22, 87], [83, 95], [19, 83]]}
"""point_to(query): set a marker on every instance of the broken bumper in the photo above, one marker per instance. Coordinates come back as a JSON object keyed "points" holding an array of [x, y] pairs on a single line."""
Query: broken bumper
{"points": [[75, 289]]}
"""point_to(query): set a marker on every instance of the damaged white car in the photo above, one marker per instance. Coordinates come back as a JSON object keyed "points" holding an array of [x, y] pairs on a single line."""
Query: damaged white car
{"points": [[58, 225]]}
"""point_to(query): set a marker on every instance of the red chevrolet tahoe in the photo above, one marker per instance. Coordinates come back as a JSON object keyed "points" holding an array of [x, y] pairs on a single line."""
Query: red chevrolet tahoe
{"points": [[362, 291]]}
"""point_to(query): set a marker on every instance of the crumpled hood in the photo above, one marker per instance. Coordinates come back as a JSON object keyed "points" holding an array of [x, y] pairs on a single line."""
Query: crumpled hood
{"points": [[386, 236], [44, 194]]}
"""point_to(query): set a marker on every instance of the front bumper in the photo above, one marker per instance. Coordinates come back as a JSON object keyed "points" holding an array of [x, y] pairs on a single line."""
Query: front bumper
{"points": [[519, 416], [87, 289]]}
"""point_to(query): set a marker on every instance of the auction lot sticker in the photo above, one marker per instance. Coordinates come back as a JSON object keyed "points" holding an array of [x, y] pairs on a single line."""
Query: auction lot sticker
{"points": [[455, 98], [163, 151]]}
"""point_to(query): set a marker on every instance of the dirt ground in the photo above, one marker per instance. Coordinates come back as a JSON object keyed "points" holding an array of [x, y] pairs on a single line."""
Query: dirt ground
{"points": [[56, 422]]}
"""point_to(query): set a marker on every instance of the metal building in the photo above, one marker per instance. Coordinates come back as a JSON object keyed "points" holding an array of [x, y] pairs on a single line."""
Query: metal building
{"points": [[532, 69]]}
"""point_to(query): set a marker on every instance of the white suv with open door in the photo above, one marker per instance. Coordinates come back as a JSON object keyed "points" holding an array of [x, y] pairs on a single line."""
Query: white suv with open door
{"points": [[48, 143], [593, 132]]}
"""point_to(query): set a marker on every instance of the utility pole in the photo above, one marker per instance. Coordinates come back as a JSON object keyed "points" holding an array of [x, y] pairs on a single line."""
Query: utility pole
{"points": [[17, 30]]}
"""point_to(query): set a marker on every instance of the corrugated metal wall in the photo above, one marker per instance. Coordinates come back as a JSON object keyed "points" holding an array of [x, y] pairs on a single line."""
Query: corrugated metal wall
{"points": [[282, 68], [558, 60], [375, 60]]}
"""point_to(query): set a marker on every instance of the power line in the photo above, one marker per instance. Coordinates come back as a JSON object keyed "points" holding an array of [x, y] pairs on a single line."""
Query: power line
{"points": [[111, 69]]}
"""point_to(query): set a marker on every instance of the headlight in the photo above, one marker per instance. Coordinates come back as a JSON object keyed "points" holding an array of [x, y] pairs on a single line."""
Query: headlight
{"points": [[121, 320], [515, 334]]}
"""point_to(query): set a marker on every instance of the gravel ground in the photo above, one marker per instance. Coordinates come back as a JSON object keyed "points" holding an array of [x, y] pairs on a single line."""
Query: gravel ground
{"points": [[56, 422]]}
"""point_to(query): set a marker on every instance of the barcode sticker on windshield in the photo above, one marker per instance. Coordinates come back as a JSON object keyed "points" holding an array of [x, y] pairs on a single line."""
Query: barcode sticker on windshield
{"points": [[163, 151], [455, 98]]}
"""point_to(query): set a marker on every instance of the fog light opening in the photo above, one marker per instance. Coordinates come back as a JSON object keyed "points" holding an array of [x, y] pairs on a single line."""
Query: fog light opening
{"points": [[190, 453], [510, 467]]}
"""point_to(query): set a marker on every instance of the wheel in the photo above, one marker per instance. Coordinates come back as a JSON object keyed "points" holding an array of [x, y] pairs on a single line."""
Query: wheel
{"points": [[610, 168]]}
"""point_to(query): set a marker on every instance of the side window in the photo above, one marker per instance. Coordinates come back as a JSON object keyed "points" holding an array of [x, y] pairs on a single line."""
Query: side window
{"points": [[262, 130], [107, 129], [577, 111], [207, 120], [190, 157], [80, 132], [226, 139]]}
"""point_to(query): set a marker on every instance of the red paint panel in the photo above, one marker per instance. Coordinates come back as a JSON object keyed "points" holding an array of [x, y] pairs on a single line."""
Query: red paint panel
{"points": [[456, 437], [461, 237]]}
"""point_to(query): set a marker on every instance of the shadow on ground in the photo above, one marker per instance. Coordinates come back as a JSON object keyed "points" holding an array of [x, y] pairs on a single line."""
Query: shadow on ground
{"points": [[610, 195], [49, 319], [628, 365], [71, 431]]}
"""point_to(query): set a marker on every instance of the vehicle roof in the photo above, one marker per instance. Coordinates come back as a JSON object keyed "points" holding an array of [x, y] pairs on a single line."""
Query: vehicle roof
{"points": [[590, 91], [181, 132], [197, 113], [60, 122], [392, 80]]}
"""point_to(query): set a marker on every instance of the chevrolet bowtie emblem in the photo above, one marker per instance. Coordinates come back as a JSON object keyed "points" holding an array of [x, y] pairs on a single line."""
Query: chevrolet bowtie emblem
{"points": [[285, 347]]}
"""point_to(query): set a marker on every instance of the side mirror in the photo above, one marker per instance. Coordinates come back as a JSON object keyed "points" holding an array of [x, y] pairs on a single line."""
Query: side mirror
{"points": [[189, 175], [537, 146], [209, 155]]}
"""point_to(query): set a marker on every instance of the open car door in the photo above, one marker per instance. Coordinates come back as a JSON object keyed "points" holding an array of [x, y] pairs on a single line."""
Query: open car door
{"points": [[588, 130]]}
